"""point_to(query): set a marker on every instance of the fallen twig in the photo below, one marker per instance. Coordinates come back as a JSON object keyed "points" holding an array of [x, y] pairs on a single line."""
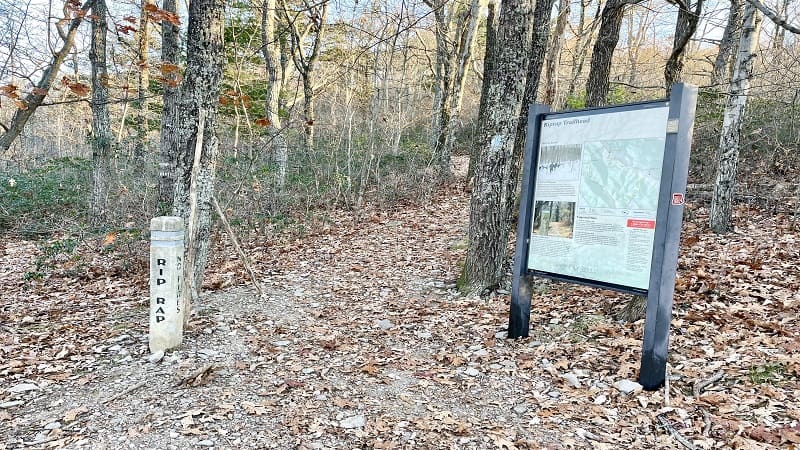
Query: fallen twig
{"points": [[678, 437], [701, 385], [232, 236], [192, 376], [706, 422], [124, 393]]}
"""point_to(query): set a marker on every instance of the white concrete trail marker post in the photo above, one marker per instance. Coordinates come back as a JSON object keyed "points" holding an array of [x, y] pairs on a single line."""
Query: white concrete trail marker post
{"points": [[166, 283]]}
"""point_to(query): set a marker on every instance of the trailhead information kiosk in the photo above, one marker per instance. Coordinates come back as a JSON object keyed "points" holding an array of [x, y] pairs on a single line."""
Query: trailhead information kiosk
{"points": [[602, 205]]}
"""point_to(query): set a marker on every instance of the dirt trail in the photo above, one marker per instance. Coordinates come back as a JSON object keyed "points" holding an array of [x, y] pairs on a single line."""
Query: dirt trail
{"points": [[362, 342]]}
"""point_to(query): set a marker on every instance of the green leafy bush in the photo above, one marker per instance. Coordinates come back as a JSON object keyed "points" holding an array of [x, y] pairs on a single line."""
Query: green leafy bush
{"points": [[40, 201]]}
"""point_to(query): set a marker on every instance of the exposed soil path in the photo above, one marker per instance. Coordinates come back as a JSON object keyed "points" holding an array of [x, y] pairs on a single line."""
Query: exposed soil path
{"points": [[361, 341]]}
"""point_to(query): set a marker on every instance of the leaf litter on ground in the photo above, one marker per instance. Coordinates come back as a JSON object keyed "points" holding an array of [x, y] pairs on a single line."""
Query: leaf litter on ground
{"points": [[361, 340]]}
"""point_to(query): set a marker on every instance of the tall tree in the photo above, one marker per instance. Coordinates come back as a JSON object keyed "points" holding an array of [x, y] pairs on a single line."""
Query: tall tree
{"points": [[142, 82], [73, 16], [554, 55], [305, 45], [729, 41], [101, 126], [583, 39], [197, 135], [456, 23], [728, 154], [168, 150], [540, 38], [488, 66], [603, 53], [495, 175], [271, 51], [685, 27], [638, 25]]}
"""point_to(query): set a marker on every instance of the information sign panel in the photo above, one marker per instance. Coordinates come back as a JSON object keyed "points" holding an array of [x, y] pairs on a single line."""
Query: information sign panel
{"points": [[602, 203], [598, 174]]}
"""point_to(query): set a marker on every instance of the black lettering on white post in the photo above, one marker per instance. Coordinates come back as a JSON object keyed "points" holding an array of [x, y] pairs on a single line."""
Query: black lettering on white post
{"points": [[166, 253]]}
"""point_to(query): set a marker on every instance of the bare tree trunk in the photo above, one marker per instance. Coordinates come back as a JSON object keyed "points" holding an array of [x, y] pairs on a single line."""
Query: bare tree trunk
{"points": [[495, 176], [198, 103], [101, 125], [168, 155], [488, 67], [583, 41], [730, 38], [466, 39], [308, 110], [728, 155], [271, 50], [685, 27], [636, 36], [538, 45], [143, 86], [554, 56], [779, 35], [775, 17], [35, 98], [305, 62], [445, 54], [603, 53]]}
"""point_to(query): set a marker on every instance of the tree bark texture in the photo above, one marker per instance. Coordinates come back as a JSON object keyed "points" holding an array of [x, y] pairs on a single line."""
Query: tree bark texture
{"points": [[199, 96], [488, 67], [445, 54], [540, 38], [603, 53], [685, 27], [730, 39], [101, 125], [271, 51], [495, 175], [168, 154], [35, 98], [554, 55], [728, 155]]}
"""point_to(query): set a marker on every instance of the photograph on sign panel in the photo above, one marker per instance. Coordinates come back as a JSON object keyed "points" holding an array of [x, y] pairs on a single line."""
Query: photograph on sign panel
{"points": [[554, 219], [558, 162]]}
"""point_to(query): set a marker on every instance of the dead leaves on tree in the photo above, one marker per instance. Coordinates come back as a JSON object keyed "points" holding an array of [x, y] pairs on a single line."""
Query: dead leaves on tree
{"points": [[11, 92]]}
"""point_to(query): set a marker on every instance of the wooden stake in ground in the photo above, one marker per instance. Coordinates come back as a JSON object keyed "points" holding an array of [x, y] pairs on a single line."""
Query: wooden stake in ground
{"points": [[235, 241], [191, 290]]}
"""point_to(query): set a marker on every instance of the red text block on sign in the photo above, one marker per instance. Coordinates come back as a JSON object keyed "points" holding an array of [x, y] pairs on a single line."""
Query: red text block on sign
{"points": [[642, 223]]}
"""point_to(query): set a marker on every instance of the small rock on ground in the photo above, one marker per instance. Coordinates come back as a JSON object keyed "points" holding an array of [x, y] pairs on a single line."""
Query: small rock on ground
{"points": [[353, 422], [628, 387]]}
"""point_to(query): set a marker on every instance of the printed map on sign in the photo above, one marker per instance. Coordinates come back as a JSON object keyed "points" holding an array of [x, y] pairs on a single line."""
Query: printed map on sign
{"points": [[623, 174]]}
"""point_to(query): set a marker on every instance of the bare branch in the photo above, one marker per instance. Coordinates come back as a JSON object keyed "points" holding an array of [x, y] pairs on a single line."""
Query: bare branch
{"points": [[774, 17]]}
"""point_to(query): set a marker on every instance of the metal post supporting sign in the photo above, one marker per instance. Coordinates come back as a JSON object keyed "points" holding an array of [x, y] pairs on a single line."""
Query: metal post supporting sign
{"points": [[674, 174], [519, 319], [664, 219]]}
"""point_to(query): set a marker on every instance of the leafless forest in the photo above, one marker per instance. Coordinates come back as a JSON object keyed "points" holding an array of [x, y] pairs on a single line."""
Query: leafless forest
{"points": [[296, 125]]}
